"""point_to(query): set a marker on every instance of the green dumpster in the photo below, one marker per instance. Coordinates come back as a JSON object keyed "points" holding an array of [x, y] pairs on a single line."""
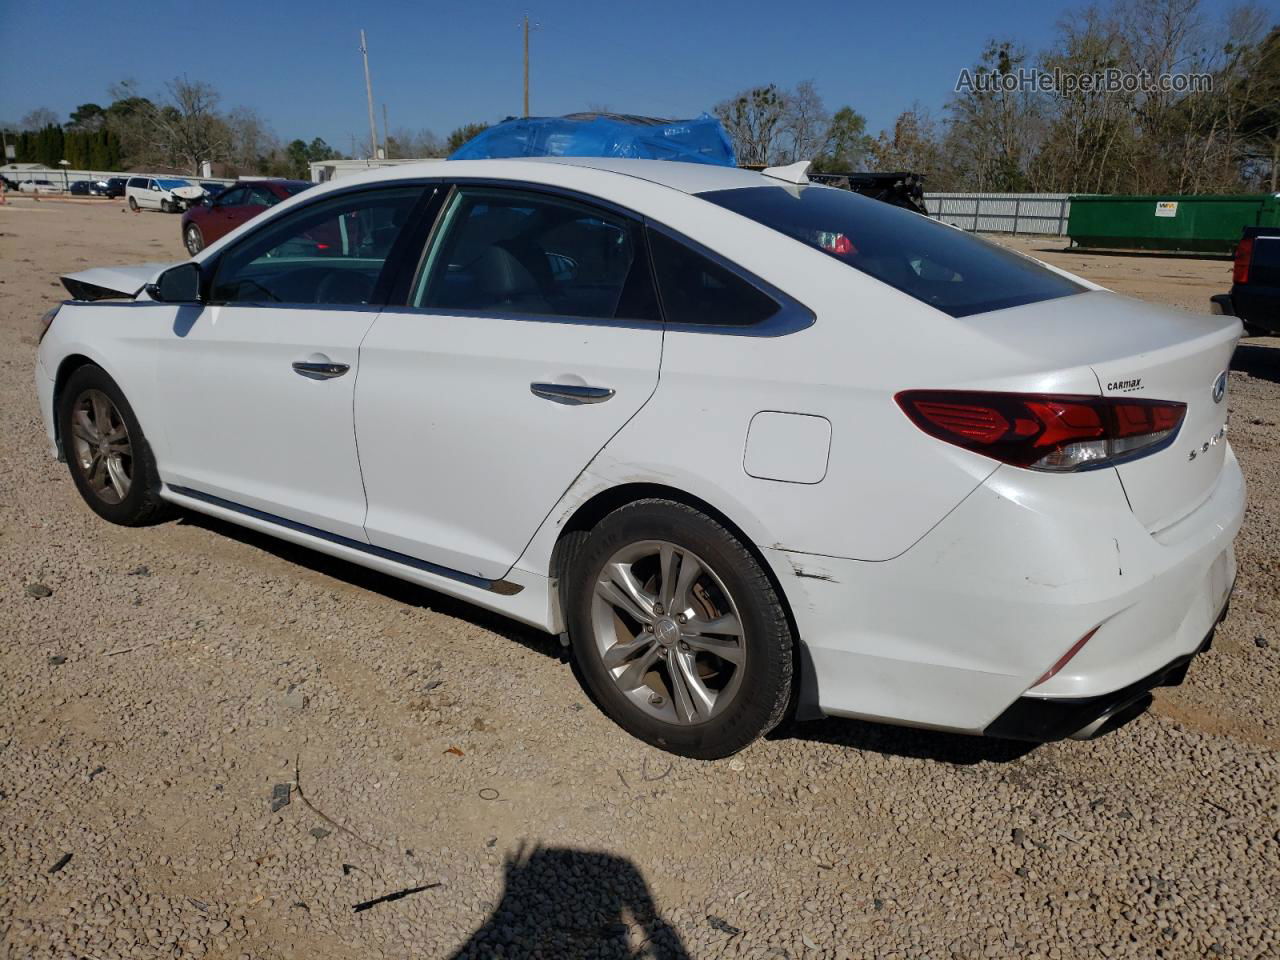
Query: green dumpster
{"points": [[1199, 223]]}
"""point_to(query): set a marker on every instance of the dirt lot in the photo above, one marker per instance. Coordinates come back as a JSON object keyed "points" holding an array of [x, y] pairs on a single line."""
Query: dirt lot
{"points": [[175, 675]]}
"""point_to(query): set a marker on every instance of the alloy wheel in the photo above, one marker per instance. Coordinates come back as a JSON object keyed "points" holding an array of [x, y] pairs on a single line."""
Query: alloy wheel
{"points": [[668, 632], [195, 242], [101, 447]]}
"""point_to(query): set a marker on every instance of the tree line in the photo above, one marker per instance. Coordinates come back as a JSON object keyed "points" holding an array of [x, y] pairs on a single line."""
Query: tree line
{"points": [[992, 135], [184, 127], [997, 135]]}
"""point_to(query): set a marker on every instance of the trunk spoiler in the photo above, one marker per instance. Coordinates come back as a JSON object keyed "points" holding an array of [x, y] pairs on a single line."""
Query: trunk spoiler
{"points": [[112, 283]]}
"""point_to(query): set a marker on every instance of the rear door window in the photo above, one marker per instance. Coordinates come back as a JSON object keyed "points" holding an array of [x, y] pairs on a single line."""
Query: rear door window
{"points": [[956, 272], [515, 252]]}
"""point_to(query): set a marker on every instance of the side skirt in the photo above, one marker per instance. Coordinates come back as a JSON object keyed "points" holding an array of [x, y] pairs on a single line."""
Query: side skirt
{"points": [[497, 595]]}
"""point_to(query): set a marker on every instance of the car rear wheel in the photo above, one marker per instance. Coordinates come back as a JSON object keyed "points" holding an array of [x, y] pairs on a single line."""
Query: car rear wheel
{"points": [[677, 631], [194, 239], [133, 204], [110, 460]]}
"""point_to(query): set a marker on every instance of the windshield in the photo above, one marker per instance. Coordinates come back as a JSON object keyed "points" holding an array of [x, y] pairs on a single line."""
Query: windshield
{"points": [[294, 188], [956, 272], [173, 184]]}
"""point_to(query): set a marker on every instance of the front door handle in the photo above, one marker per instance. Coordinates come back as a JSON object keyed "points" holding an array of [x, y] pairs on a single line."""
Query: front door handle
{"points": [[320, 371], [571, 393]]}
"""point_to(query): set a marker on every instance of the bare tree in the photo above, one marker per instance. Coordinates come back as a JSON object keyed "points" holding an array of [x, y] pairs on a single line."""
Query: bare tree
{"points": [[755, 121], [252, 142], [912, 146], [406, 144], [806, 123], [1090, 132], [38, 119], [187, 128]]}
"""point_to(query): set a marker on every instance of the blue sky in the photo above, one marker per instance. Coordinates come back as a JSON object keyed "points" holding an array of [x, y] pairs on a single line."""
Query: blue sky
{"points": [[440, 65]]}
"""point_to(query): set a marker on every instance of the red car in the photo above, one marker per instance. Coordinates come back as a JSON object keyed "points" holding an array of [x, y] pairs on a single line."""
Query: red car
{"points": [[240, 202]]}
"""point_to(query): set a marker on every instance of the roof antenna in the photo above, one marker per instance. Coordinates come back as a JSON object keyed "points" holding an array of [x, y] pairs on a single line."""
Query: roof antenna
{"points": [[792, 173]]}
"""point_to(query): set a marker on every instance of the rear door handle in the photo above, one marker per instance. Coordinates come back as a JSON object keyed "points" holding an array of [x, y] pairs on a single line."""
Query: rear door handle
{"points": [[320, 371], [571, 393]]}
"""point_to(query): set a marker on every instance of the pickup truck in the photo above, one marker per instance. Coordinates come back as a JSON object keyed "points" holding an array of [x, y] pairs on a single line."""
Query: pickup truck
{"points": [[1255, 283]]}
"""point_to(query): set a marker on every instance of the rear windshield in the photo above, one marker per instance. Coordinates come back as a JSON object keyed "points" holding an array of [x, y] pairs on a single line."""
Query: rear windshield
{"points": [[294, 188], [956, 272]]}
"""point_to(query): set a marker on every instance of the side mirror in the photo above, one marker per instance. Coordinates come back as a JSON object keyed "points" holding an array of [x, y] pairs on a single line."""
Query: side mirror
{"points": [[180, 284]]}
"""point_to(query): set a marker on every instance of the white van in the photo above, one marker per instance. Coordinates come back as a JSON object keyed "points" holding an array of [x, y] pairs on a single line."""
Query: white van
{"points": [[155, 193]]}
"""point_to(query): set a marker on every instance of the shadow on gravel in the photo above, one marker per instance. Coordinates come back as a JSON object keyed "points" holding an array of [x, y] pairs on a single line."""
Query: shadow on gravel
{"points": [[566, 903], [1258, 361], [363, 578], [951, 748]]}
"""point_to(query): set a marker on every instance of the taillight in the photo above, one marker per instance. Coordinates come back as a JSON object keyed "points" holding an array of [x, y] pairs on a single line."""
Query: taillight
{"points": [[1051, 432], [1240, 266]]}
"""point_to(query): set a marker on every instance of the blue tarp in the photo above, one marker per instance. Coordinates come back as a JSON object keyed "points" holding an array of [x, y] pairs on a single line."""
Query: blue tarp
{"points": [[701, 140]]}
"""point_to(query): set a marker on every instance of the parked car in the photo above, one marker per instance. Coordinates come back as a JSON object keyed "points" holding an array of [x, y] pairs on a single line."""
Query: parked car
{"points": [[156, 193], [112, 187], [80, 188], [1255, 286], [212, 188], [229, 208], [754, 447], [39, 186]]}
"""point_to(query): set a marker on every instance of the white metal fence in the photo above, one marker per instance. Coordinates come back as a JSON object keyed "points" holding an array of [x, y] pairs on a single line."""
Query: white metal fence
{"points": [[1037, 213]]}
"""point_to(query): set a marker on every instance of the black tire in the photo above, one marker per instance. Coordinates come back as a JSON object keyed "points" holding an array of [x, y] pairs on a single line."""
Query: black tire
{"points": [[141, 503], [193, 238], [759, 700], [133, 204]]}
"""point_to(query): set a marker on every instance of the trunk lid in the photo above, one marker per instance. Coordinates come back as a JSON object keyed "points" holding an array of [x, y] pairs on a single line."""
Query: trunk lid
{"points": [[1141, 350], [1165, 486]]}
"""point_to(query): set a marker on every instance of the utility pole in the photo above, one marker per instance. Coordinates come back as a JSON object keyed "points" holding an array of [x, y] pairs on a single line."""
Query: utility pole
{"points": [[368, 89], [526, 64], [386, 133], [527, 28]]}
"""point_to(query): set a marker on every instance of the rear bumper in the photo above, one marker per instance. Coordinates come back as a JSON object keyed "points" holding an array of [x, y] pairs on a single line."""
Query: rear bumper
{"points": [[955, 632], [1042, 719]]}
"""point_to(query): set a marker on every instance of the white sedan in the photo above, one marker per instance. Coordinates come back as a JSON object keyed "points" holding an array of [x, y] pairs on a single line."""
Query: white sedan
{"points": [[753, 447]]}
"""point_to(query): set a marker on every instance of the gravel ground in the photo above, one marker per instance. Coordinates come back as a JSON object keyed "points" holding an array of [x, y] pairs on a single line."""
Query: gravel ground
{"points": [[452, 792]]}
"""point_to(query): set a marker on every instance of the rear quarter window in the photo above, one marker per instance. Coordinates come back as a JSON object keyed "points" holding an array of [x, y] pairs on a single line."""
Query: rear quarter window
{"points": [[700, 292], [956, 272]]}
